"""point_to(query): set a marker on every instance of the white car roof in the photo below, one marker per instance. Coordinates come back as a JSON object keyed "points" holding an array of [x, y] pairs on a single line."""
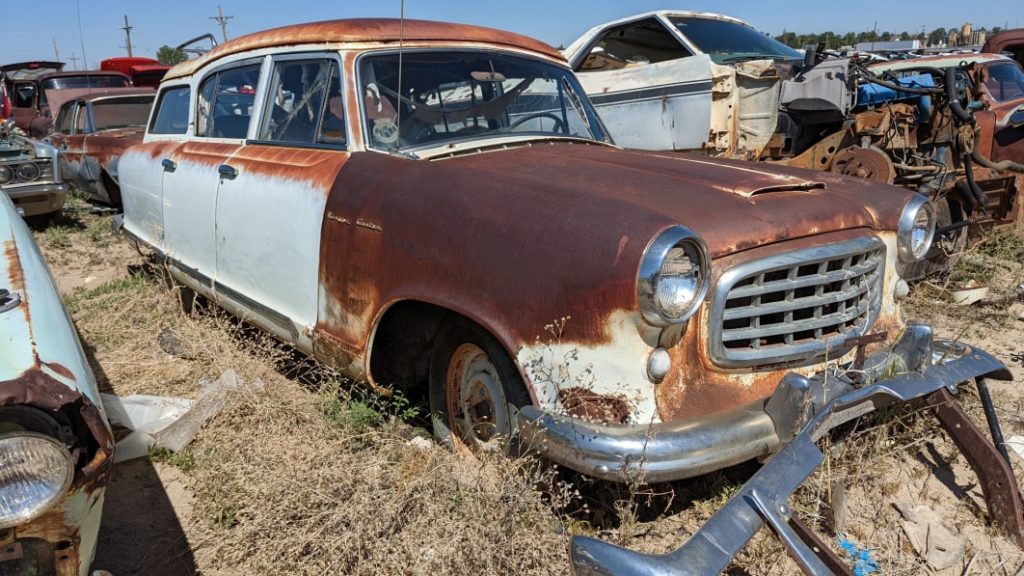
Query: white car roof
{"points": [[581, 42]]}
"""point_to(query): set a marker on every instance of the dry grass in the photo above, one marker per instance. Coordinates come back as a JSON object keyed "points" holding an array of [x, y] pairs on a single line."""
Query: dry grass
{"points": [[310, 475]]}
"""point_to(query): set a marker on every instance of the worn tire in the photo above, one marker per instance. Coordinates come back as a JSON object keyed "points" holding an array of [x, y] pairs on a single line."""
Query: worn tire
{"points": [[490, 388]]}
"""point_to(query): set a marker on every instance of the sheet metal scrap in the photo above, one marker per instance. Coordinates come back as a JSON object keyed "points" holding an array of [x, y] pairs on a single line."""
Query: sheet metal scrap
{"points": [[763, 499]]}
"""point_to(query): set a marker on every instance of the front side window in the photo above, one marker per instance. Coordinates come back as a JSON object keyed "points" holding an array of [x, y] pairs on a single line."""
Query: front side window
{"points": [[634, 44], [448, 97], [728, 42], [172, 111], [127, 112], [65, 118], [1005, 82], [305, 103], [226, 102]]}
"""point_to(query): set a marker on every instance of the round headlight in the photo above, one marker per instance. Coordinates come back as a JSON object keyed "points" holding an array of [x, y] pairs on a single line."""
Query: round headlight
{"points": [[35, 471], [28, 172], [674, 277], [916, 229], [5, 174]]}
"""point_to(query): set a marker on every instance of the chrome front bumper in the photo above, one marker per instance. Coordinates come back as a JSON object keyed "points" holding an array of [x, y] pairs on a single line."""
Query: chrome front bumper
{"points": [[677, 450], [36, 199], [801, 411]]}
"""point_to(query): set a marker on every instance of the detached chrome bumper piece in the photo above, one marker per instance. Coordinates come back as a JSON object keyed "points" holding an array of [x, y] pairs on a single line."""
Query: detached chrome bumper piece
{"points": [[799, 414]]}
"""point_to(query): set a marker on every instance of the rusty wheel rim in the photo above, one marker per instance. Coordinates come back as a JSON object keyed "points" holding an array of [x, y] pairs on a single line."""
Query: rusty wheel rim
{"points": [[475, 398]]}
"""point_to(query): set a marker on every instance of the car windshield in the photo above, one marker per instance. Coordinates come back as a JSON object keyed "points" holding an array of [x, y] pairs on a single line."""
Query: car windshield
{"points": [[121, 112], [451, 97], [85, 81], [729, 42], [1005, 81]]}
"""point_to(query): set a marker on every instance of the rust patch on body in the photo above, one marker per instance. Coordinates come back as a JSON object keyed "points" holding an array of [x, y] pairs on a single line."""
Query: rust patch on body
{"points": [[593, 407]]}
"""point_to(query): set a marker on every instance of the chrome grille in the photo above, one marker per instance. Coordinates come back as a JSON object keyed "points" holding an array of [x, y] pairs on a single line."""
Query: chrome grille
{"points": [[797, 305]]}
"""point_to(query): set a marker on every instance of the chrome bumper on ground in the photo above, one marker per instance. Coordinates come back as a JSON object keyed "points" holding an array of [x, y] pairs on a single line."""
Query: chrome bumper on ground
{"points": [[802, 411]]}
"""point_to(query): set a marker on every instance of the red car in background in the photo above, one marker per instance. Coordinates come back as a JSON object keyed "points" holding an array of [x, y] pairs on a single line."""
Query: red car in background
{"points": [[142, 71]]}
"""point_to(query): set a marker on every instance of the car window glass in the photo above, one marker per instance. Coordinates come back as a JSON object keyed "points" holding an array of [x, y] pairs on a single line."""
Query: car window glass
{"points": [[80, 121], [86, 81], [226, 100], [63, 124], [172, 111], [728, 42], [635, 44], [23, 95], [122, 112], [305, 103], [1005, 82]]}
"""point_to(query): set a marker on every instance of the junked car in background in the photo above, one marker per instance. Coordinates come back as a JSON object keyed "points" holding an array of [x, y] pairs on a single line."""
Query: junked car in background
{"points": [[92, 129], [28, 88], [142, 71], [704, 82], [1007, 42], [30, 173], [55, 443], [447, 214]]}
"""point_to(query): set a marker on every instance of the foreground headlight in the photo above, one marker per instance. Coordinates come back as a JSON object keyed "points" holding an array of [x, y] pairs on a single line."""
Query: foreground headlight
{"points": [[674, 277], [5, 174], [35, 471], [28, 172], [916, 229]]}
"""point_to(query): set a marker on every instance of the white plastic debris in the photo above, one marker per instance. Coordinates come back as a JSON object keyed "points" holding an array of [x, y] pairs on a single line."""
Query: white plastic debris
{"points": [[938, 545], [421, 443], [1016, 443], [169, 422], [144, 415]]}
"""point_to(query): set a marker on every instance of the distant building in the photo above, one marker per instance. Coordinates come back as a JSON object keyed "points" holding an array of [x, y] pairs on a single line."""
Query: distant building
{"points": [[892, 45]]}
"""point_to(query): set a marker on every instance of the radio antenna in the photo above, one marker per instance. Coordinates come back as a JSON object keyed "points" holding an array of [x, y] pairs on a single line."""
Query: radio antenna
{"points": [[401, 47]]}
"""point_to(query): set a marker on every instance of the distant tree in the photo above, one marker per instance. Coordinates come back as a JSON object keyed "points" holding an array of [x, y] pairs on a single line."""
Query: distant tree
{"points": [[170, 56], [937, 36], [905, 35]]}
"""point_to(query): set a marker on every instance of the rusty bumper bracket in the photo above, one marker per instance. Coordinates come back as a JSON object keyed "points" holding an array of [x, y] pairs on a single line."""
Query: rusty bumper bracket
{"points": [[764, 498]]}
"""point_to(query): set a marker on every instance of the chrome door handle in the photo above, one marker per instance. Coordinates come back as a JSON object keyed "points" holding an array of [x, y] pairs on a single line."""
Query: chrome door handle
{"points": [[169, 165], [8, 301], [227, 171]]}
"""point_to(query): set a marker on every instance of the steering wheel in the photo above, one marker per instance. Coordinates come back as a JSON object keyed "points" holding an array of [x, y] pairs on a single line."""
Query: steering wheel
{"points": [[559, 124]]}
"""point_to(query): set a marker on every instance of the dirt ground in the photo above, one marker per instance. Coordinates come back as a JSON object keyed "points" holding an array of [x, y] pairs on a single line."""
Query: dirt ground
{"points": [[304, 473]]}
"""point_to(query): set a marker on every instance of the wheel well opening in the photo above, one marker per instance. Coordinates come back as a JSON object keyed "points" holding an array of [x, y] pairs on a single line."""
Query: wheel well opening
{"points": [[400, 351]]}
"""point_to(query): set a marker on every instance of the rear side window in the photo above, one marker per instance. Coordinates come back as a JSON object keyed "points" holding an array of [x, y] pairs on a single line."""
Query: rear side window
{"points": [[172, 111], [635, 44], [305, 104], [226, 101]]}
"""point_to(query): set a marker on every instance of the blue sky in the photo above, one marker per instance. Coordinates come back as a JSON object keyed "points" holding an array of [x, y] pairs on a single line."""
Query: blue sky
{"points": [[30, 35]]}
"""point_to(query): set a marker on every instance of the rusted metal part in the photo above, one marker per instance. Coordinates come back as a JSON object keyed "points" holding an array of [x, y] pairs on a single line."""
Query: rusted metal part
{"points": [[1007, 41], [594, 407], [997, 480], [819, 547], [364, 30], [861, 344], [867, 163]]}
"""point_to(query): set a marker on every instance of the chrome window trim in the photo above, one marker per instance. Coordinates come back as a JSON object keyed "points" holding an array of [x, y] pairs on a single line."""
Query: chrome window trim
{"points": [[835, 346], [276, 57]]}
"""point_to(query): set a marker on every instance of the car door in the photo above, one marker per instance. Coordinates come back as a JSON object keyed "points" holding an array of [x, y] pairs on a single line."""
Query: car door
{"points": [[270, 206], [651, 90], [225, 101], [145, 168], [69, 142]]}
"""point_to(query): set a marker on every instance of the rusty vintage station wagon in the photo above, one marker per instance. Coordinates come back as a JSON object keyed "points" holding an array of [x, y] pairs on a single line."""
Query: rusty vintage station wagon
{"points": [[438, 206]]}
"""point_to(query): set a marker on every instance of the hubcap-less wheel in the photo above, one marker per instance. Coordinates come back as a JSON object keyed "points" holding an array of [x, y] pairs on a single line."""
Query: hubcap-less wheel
{"points": [[475, 399]]}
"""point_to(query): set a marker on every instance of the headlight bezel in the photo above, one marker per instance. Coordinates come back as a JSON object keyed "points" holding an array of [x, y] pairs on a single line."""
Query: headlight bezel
{"points": [[651, 266], [9, 174], [907, 226], [40, 507], [28, 166]]}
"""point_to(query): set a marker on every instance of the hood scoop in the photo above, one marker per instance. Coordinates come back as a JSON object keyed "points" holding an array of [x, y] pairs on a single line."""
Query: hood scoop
{"points": [[805, 186]]}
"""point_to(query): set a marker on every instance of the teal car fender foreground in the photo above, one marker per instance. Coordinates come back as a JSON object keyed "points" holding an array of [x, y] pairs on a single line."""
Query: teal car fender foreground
{"points": [[55, 443]]}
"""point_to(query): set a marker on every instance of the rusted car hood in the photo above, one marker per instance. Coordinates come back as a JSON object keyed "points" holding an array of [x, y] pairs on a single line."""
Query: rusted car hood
{"points": [[733, 205]]}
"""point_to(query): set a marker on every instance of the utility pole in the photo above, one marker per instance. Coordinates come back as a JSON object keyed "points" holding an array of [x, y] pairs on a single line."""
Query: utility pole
{"points": [[223, 21], [127, 35], [874, 35], [56, 53], [74, 61]]}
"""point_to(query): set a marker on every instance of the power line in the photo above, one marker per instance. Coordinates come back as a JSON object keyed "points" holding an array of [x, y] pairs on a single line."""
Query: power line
{"points": [[74, 61], [128, 35], [56, 53], [223, 21]]}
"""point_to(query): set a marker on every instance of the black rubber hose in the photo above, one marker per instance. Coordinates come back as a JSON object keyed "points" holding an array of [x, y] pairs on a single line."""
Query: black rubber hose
{"points": [[992, 418], [954, 102], [972, 186], [893, 86]]}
